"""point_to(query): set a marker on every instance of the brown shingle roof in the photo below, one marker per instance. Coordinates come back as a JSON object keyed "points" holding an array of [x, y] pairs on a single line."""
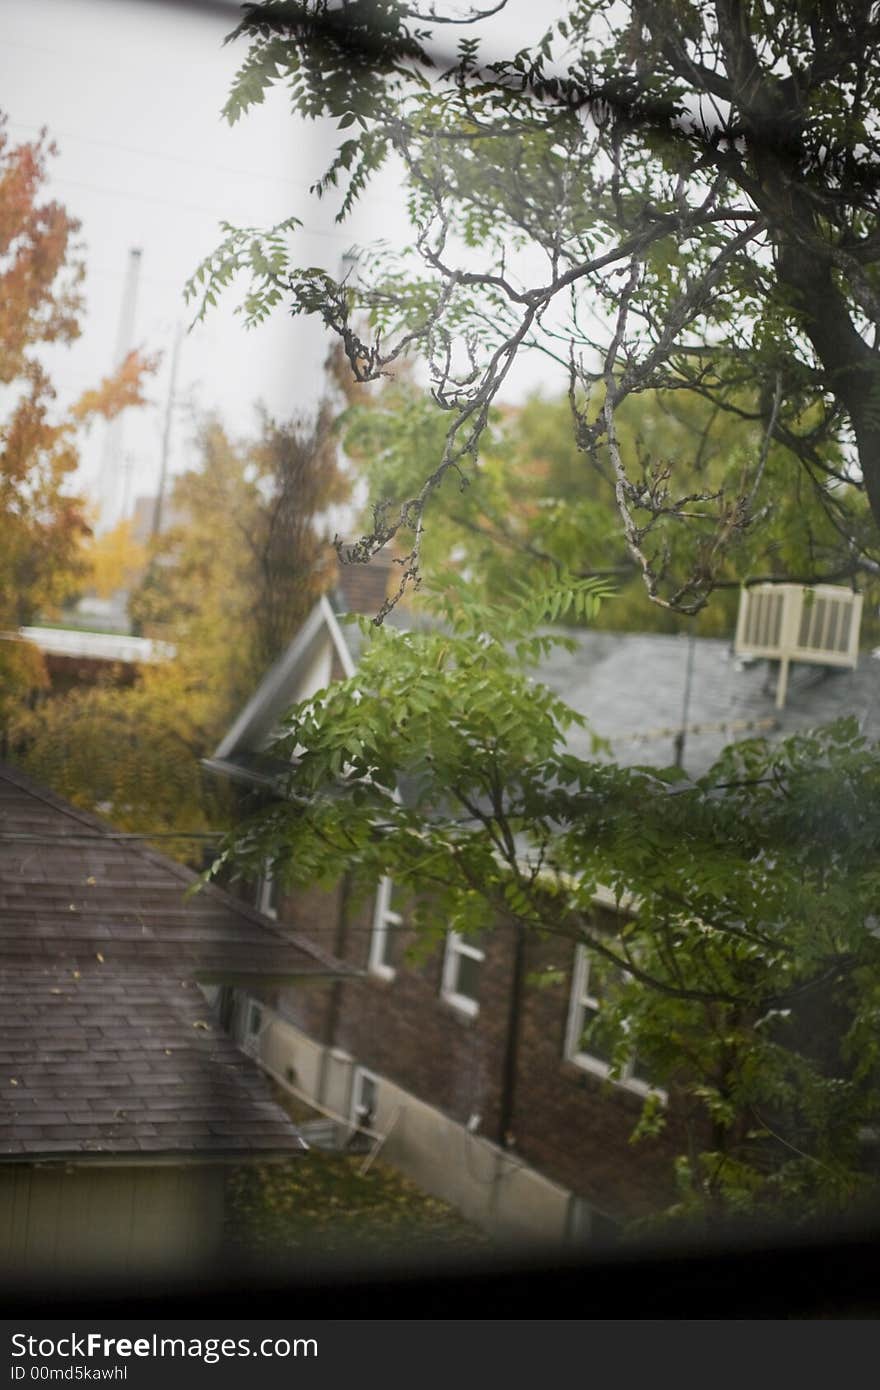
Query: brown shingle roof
{"points": [[107, 1046]]}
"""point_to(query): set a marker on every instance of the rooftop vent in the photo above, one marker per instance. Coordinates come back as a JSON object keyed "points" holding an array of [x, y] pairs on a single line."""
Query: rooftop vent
{"points": [[789, 622]]}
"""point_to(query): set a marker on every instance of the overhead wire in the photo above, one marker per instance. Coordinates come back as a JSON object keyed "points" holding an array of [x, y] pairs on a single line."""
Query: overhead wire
{"points": [[164, 157]]}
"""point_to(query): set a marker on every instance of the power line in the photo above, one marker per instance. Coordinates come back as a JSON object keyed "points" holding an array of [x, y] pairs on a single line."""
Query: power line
{"points": [[157, 154], [109, 191], [120, 275], [279, 183], [101, 836]]}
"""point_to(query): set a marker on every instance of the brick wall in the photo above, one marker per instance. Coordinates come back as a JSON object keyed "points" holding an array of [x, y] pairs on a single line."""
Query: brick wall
{"points": [[405, 1030], [569, 1124], [314, 913], [71, 672]]}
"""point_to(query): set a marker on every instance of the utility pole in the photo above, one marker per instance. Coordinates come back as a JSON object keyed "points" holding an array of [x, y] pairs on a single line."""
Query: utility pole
{"points": [[166, 434], [686, 702], [112, 464]]}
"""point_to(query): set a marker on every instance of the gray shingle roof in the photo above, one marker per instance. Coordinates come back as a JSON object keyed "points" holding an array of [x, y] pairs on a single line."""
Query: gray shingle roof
{"points": [[631, 687], [106, 1042], [106, 1060]]}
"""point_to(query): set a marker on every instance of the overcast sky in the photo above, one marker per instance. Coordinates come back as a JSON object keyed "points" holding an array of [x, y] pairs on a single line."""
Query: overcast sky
{"points": [[131, 90]]}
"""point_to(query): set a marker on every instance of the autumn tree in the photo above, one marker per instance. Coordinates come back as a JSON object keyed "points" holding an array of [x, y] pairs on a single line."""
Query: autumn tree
{"points": [[130, 753], [113, 561], [43, 521], [226, 587], [249, 555], [298, 475], [681, 199], [196, 592]]}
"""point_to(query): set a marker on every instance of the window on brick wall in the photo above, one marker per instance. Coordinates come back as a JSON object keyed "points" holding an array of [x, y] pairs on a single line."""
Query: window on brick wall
{"points": [[364, 1097], [251, 1026], [462, 967], [584, 1045], [387, 923], [267, 895]]}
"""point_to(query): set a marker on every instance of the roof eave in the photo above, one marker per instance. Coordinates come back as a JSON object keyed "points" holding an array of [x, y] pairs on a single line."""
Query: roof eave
{"points": [[248, 777], [263, 979], [275, 691], [166, 1158]]}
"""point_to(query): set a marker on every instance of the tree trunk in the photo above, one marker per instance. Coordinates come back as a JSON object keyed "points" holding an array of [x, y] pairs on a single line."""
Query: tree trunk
{"points": [[852, 367]]}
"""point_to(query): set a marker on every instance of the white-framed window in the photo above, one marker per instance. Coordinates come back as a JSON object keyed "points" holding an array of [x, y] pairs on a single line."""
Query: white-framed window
{"points": [[387, 924], [252, 1025], [462, 966], [364, 1098], [267, 894], [590, 980]]}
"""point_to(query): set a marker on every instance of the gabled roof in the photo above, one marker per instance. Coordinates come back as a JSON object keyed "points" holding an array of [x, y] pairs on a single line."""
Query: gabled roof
{"points": [[107, 1047], [276, 692], [638, 691]]}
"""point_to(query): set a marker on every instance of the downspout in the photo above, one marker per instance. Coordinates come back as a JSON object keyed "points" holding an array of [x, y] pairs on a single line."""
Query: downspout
{"points": [[334, 1007], [511, 1044]]}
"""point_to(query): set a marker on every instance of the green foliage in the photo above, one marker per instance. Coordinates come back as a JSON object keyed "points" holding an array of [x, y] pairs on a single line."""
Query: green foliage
{"points": [[536, 507], [680, 210], [262, 255]]}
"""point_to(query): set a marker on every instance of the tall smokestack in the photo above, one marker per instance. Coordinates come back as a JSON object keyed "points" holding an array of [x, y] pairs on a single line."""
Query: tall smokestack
{"points": [[112, 481]]}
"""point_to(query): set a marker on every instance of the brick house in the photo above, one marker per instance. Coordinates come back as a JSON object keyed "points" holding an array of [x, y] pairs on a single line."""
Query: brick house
{"points": [[121, 1101], [478, 1080]]}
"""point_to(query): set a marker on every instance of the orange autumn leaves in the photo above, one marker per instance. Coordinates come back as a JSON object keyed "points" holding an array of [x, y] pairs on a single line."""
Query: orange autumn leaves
{"points": [[40, 268], [43, 521]]}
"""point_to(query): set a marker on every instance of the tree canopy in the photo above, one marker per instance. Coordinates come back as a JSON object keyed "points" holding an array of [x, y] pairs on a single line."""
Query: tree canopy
{"points": [[533, 513], [667, 198], [677, 204], [247, 556]]}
